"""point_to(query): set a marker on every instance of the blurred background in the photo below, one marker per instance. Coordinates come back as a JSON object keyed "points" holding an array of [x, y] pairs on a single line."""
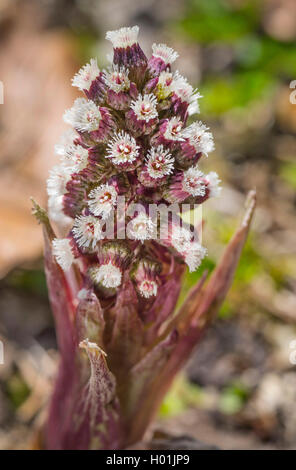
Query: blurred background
{"points": [[239, 390]]}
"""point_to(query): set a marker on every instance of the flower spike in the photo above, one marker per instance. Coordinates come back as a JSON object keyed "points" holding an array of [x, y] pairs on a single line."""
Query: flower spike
{"points": [[115, 269]]}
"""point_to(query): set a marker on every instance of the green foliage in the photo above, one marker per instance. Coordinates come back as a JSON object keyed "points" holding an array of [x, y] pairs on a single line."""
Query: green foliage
{"points": [[214, 20], [208, 264], [257, 61], [182, 395], [288, 174], [233, 398], [250, 265], [17, 390], [237, 91], [29, 280], [226, 311]]}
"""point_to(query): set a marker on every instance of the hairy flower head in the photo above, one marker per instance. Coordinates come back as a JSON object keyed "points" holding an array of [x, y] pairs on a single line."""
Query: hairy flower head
{"points": [[130, 143], [86, 75], [84, 115]]}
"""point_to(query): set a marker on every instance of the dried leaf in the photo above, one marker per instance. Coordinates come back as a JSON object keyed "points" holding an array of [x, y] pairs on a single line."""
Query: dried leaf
{"points": [[96, 416]]}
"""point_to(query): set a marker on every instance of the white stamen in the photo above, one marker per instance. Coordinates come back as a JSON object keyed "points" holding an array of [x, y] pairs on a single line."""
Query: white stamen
{"points": [[159, 162], [65, 140], [214, 181], [185, 92], [123, 37], [199, 137], [193, 182], [191, 251], [87, 231], [194, 254], [180, 238], [86, 75], [147, 288], [144, 107], [62, 251], [108, 275], [102, 200], [141, 228], [122, 149], [76, 158], [59, 175], [56, 213], [84, 115], [167, 54], [173, 129], [193, 107], [116, 79]]}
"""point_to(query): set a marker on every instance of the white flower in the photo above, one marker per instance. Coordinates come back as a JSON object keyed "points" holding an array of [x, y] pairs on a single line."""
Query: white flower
{"points": [[159, 162], [141, 227], [194, 254], [87, 231], [193, 107], [167, 54], [213, 184], [66, 139], [116, 79], [147, 288], [75, 158], [144, 107], [122, 148], [86, 75], [191, 251], [173, 129], [62, 251], [84, 115], [107, 274], [59, 175], [56, 213], [199, 137], [109, 58], [180, 237], [193, 182], [186, 93], [102, 200], [123, 37], [164, 83]]}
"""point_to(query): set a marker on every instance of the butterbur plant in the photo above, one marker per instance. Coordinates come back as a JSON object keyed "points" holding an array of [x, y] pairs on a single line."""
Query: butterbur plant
{"points": [[115, 272]]}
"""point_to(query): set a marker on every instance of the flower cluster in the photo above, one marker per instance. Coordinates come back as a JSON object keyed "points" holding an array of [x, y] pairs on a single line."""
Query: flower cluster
{"points": [[128, 174], [129, 138]]}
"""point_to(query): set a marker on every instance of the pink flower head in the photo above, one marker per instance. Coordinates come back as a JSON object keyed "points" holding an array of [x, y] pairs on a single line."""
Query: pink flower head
{"points": [[130, 138], [162, 58]]}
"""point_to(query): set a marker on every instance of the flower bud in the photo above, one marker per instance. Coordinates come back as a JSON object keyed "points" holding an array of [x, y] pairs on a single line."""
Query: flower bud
{"points": [[123, 151], [170, 133], [185, 98], [184, 185], [90, 80], [162, 58], [145, 275], [159, 164], [114, 258], [127, 51], [143, 116], [63, 251]]}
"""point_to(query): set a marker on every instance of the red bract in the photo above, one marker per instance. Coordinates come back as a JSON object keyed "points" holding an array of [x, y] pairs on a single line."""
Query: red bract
{"points": [[114, 289]]}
